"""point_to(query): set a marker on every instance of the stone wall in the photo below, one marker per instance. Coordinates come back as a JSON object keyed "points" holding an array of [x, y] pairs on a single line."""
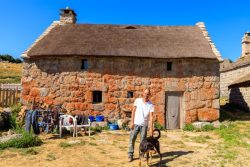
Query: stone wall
{"points": [[240, 96], [61, 81], [228, 77]]}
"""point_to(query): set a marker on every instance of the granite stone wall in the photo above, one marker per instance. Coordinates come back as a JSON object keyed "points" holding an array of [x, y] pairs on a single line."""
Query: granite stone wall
{"points": [[61, 81], [228, 77]]}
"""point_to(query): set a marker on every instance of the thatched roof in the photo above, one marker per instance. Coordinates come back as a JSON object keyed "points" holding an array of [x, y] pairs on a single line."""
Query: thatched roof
{"points": [[121, 40], [244, 79], [243, 61]]}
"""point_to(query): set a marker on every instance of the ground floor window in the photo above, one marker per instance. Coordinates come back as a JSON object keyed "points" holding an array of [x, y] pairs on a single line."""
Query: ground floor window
{"points": [[97, 96]]}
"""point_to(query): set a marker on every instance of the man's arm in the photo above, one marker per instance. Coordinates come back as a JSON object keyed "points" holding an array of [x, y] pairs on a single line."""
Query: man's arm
{"points": [[151, 123], [132, 118]]}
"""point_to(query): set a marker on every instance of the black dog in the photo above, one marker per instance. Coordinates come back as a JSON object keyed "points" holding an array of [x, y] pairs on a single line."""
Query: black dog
{"points": [[150, 146]]}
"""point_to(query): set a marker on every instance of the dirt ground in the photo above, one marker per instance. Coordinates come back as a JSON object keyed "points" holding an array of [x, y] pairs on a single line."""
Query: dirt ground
{"points": [[109, 148]]}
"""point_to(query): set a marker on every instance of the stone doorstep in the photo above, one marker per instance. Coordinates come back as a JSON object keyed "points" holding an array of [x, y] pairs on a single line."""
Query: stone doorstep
{"points": [[200, 124]]}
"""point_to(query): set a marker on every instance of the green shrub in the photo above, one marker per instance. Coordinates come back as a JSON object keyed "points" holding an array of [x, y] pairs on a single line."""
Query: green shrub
{"points": [[207, 128], [25, 141], [96, 129], [105, 128], [15, 109], [159, 126], [189, 127]]}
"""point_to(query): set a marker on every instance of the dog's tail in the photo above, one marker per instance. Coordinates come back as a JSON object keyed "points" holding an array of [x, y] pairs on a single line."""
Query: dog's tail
{"points": [[159, 133]]}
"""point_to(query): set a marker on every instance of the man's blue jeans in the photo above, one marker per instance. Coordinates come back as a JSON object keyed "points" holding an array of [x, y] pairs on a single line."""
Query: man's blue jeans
{"points": [[31, 120], [133, 136]]}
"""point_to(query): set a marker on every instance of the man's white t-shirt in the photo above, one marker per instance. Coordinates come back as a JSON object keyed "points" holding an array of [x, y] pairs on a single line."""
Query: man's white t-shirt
{"points": [[142, 111]]}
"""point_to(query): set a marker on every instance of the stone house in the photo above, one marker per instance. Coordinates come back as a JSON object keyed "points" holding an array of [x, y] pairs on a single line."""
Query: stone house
{"points": [[100, 69], [234, 74], [240, 93]]}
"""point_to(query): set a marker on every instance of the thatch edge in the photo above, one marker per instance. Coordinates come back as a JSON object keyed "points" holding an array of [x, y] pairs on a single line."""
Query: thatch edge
{"points": [[202, 27], [46, 32]]}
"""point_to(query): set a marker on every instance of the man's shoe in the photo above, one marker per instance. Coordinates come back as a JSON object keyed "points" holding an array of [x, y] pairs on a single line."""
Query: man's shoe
{"points": [[130, 158]]}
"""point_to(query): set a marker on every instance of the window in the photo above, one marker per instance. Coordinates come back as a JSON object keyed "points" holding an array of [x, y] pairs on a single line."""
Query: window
{"points": [[97, 96], [130, 27], [85, 65], [169, 66], [130, 94]]}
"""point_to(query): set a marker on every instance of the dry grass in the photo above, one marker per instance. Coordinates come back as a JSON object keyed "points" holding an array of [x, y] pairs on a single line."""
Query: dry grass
{"points": [[179, 148], [10, 72]]}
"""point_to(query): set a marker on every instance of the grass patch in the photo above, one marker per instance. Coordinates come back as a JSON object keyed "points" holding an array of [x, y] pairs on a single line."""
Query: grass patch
{"points": [[231, 135], [157, 125], [65, 145], [207, 128], [29, 151], [25, 141], [189, 127], [103, 152], [233, 138], [176, 142], [98, 129], [10, 72], [93, 144], [199, 139], [122, 148], [227, 153], [51, 157]]}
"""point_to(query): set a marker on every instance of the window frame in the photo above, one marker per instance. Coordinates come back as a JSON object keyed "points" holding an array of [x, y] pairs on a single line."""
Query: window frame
{"points": [[97, 97]]}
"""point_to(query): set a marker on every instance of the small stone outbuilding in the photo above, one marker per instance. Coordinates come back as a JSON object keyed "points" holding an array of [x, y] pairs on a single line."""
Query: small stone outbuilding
{"points": [[240, 93], [100, 69], [230, 71], [235, 77]]}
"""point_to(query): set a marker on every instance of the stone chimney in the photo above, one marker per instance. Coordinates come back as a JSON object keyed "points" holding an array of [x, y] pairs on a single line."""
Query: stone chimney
{"points": [[67, 16], [246, 44]]}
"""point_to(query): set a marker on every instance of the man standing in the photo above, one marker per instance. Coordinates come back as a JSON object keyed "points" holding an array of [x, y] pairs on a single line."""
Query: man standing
{"points": [[142, 114]]}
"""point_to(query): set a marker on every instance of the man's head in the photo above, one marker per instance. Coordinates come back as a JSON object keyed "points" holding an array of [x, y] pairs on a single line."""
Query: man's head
{"points": [[146, 94]]}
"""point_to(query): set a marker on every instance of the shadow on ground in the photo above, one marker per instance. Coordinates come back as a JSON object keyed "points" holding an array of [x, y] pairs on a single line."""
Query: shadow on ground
{"points": [[169, 156], [230, 112]]}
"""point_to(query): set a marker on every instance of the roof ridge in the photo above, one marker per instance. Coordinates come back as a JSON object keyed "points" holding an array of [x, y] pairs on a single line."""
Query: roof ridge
{"points": [[137, 25]]}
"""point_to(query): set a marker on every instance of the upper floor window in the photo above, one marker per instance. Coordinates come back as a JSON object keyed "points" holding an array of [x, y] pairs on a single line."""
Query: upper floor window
{"points": [[85, 64], [169, 66]]}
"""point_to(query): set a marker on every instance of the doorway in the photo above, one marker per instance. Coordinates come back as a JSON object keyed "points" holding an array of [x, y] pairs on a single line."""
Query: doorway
{"points": [[173, 110]]}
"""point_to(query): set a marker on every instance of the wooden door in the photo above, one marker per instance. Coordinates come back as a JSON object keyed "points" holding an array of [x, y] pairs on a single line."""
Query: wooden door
{"points": [[173, 110]]}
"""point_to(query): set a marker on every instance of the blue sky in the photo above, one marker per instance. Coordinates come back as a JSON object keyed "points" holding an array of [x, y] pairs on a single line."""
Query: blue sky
{"points": [[22, 21]]}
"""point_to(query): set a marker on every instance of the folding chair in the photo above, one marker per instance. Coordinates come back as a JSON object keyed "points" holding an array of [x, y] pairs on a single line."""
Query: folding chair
{"points": [[64, 122], [81, 126]]}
